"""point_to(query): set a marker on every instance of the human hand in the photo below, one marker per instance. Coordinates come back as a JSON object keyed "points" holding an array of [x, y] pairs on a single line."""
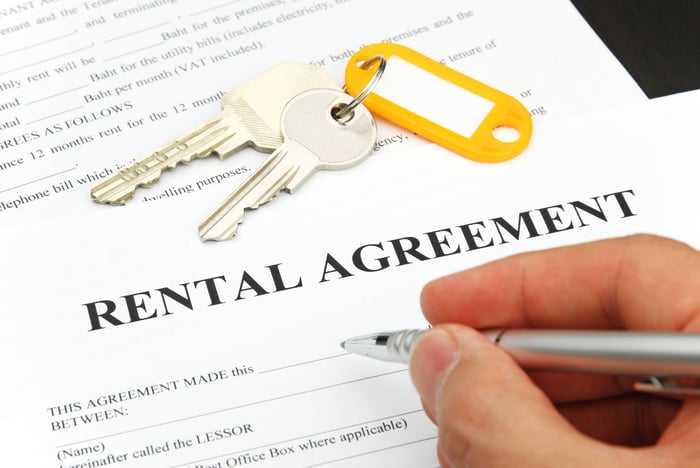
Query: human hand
{"points": [[490, 412]]}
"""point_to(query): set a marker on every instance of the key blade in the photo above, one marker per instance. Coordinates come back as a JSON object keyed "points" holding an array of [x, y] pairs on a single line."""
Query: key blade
{"points": [[286, 169], [206, 139]]}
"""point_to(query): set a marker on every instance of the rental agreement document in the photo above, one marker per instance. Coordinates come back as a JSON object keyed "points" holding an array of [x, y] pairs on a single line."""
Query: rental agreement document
{"points": [[128, 342], [88, 86]]}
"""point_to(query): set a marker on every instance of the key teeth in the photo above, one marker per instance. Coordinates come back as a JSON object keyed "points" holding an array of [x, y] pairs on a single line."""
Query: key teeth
{"points": [[208, 234], [224, 236], [114, 202], [223, 223], [213, 232], [119, 187], [213, 229], [108, 197], [121, 191]]}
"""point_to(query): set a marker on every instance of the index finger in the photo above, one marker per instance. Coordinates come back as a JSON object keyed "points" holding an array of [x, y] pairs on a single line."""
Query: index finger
{"points": [[639, 282]]}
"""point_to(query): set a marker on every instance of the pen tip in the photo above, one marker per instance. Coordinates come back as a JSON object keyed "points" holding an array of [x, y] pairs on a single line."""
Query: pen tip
{"points": [[342, 344]]}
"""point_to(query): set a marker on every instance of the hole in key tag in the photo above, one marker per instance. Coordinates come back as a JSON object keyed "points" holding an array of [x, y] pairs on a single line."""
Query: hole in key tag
{"points": [[440, 104]]}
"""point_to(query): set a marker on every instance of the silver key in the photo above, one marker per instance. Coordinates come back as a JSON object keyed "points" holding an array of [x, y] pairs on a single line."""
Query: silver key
{"points": [[250, 117], [313, 140]]}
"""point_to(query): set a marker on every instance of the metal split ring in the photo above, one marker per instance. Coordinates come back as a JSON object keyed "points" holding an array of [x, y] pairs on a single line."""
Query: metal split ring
{"points": [[344, 113]]}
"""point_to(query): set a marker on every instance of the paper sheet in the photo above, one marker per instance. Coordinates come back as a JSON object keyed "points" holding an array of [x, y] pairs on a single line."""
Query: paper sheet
{"points": [[86, 87], [128, 342]]}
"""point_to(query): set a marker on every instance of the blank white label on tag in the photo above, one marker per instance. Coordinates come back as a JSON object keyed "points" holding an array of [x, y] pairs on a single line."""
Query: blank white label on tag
{"points": [[432, 98]]}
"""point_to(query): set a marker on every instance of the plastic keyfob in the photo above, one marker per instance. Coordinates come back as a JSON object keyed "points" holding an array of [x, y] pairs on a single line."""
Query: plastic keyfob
{"points": [[440, 103]]}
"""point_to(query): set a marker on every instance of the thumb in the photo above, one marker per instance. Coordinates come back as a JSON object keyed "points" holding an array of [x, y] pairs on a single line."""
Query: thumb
{"points": [[487, 410]]}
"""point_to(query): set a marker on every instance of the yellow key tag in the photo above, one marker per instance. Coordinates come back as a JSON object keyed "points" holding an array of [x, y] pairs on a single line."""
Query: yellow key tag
{"points": [[439, 103]]}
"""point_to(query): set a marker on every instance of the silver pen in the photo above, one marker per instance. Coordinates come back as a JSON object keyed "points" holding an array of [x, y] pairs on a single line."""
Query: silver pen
{"points": [[656, 355]]}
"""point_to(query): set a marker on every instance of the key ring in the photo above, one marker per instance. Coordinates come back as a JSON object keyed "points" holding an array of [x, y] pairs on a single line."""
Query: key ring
{"points": [[344, 113]]}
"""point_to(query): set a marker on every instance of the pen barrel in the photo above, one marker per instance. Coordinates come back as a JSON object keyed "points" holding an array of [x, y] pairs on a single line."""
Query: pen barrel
{"points": [[400, 344], [635, 353]]}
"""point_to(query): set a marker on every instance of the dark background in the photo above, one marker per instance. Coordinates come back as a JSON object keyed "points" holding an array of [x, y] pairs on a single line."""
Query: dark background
{"points": [[657, 41]]}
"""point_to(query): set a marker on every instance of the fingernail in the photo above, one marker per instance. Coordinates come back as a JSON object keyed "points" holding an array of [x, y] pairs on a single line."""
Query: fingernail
{"points": [[434, 357]]}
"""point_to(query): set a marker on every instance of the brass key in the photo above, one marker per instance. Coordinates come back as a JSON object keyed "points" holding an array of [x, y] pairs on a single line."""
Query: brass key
{"points": [[250, 117]]}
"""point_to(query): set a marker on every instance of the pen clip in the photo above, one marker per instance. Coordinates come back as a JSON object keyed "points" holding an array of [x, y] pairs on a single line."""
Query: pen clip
{"points": [[664, 386]]}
